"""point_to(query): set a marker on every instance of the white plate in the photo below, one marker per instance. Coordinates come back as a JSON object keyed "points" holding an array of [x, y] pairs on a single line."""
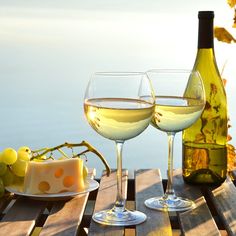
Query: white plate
{"points": [[90, 185]]}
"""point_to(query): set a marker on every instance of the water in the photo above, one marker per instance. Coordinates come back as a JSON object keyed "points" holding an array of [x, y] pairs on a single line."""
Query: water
{"points": [[48, 53]]}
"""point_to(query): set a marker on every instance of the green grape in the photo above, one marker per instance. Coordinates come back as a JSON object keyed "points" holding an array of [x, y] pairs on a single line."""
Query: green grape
{"points": [[40, 159], [8, 177], [9, 156], [2, 189], [24, 149], [44, 157], [19, 167], [3, 168], [22, 155], [18, 180], [62, 158]]}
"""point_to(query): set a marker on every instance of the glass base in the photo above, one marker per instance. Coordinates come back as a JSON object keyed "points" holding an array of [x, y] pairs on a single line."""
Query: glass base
{"points": [[169, 203], [119, 218]]}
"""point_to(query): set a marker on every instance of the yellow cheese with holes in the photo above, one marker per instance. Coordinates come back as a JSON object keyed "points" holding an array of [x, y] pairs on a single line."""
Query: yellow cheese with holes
{"points": [[55, 176]]}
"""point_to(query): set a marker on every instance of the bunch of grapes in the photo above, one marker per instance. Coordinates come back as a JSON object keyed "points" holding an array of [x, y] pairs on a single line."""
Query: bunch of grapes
{"points": [[13, 166]]}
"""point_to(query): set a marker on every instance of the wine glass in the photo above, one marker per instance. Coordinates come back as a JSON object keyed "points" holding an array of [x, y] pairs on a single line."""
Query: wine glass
{"points": [[180, 100], [119, 106]]}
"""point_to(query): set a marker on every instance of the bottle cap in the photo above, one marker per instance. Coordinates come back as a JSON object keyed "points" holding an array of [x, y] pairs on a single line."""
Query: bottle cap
{"points": [[206, 14], [205, 29]]}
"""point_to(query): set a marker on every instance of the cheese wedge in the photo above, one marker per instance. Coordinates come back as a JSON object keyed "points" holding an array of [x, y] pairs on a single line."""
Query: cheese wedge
{"points": [[54, 176]]}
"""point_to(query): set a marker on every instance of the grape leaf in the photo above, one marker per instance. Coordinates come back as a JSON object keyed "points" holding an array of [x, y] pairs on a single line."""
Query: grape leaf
{"points": [[231, 3], [223, 35], [234, 24]]}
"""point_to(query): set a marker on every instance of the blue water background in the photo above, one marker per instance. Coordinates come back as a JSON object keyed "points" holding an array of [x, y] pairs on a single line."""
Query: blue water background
{"points": [[48, 50]]}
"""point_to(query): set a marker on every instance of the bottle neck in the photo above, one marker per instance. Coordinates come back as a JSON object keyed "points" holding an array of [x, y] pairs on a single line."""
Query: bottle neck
{"points": [[205, 33]]}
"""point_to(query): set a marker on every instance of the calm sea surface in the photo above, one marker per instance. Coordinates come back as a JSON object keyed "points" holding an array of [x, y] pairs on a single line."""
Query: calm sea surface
{"points": [[47, 55]]}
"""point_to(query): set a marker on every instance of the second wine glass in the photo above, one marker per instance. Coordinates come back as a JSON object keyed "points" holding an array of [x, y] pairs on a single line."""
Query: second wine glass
{"points": [[119, 106], [180, 100]]}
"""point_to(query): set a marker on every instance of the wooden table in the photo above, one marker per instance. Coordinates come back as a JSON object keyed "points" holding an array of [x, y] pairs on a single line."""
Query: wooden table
{"points": [[215, 212]]}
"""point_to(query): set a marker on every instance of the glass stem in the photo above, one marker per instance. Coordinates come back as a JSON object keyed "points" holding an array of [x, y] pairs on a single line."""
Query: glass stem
{"points": [[169, 189], [120, 200]]}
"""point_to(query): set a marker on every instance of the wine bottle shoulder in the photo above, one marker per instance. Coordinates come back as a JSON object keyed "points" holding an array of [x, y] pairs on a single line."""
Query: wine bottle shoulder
{"points": [[206, 65], [205, 61]]}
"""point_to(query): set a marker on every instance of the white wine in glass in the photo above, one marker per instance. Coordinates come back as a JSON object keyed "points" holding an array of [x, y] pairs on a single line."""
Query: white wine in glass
{"points": [[177, 108], [119, 106]]}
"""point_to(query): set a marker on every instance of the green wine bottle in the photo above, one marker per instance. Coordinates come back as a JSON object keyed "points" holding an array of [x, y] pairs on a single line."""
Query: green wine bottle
{"points": [[204, 143]]}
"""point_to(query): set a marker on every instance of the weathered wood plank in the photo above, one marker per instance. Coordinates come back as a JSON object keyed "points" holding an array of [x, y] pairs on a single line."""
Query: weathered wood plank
{"points": [[199, 220], [148, 183], [4, 201], [65, 217], [224, 199], [21, 217], [105, 199], [184, 190]]}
